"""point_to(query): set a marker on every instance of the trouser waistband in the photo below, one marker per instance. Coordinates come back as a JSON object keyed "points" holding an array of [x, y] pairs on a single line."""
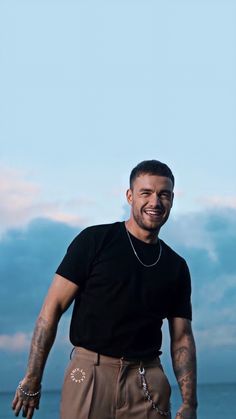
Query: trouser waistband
{"points": [[98, 358]]}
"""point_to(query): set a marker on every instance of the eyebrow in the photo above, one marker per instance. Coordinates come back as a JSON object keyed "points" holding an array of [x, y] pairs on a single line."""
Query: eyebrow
{"points": [[151, 190], [145, 190]]}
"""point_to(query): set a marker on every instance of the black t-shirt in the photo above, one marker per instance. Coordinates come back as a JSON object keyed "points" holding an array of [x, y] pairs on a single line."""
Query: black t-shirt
{"points": [[120, 305]]}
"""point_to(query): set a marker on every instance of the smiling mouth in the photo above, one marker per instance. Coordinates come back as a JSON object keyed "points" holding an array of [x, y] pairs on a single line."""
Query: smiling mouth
{"points": [[154, 213]]}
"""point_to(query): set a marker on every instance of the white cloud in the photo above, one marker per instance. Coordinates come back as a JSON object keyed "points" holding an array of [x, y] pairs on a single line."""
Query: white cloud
{"points": [[189, 230], [215, 291], [17, 196], [20, 341], [17, 342], [218, 201], [221, 336], [21, 200]]}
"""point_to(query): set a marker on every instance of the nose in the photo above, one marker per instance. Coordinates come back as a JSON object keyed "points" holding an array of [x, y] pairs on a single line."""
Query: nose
{"points": [[156, 201]]}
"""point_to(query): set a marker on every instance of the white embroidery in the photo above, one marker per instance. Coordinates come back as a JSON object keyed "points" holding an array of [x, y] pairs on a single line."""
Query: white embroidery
{"points": [[77, 375]]}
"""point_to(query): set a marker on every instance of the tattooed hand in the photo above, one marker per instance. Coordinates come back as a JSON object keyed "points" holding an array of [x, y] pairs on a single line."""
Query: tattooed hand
{"points": [[186, 412], [43, 337], [58, 299], [27, 403]]}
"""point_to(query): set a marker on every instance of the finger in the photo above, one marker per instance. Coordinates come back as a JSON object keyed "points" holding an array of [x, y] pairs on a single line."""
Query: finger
{"points": [[30, 412], [28, 408], [14, 401], [36, 406], [18, 407], [24, 411]]}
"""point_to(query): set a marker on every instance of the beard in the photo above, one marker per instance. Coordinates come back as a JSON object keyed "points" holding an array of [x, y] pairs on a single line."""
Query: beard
{"points": [[152, 226]]}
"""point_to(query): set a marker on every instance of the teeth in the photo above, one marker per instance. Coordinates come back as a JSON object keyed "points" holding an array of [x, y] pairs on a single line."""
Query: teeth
{"points": [[153, 212]]}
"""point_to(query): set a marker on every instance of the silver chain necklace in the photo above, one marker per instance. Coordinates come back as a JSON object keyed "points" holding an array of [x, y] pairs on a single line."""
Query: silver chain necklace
{"points": [[144, 264]]}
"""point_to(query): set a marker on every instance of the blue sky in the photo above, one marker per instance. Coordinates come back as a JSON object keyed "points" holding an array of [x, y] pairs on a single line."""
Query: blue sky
{"points": [[89, 89]]}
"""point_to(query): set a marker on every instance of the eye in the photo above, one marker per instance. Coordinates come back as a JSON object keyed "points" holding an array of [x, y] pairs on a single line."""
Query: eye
{"points": [[165, 195]]}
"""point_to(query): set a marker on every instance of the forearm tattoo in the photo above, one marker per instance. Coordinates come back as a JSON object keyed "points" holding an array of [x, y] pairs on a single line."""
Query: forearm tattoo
{"points": [[43, 338], [184, 364]]}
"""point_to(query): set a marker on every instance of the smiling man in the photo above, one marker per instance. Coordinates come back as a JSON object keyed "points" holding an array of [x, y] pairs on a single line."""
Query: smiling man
{"points": [[124, 281]]}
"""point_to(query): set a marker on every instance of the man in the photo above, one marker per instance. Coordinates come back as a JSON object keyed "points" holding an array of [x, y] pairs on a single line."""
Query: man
{"points": [[124, 281]]}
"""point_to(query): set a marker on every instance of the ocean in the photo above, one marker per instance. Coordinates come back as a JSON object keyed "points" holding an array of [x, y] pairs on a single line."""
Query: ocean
{"points": [[216, 401]]}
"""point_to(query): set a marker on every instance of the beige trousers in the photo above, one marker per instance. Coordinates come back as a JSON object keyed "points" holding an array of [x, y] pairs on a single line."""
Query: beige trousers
{"points": [[102, 387]]}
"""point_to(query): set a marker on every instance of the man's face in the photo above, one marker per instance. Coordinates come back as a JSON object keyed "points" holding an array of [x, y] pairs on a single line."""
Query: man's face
{"points": [[151, 199]]}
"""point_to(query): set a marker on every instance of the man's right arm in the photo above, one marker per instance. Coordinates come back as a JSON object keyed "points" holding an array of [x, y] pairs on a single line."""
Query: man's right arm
{"points": [[59, 297]]}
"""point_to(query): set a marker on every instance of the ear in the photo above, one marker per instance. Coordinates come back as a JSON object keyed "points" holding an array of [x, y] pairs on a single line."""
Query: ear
{"points": [[129, 196], [173, 195]]}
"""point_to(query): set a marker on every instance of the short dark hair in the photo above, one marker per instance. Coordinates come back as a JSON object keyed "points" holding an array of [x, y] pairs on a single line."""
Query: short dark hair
{"points": [[152, 167]]}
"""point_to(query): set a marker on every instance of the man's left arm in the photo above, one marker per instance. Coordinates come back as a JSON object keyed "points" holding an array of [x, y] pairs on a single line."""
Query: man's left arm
{"points": [[183, 354]]}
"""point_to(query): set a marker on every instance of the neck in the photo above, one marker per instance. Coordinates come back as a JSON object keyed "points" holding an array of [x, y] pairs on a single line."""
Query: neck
{"points": [[142, 234]]}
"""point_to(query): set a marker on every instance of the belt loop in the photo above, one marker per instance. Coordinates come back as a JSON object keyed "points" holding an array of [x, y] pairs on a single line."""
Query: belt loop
{"points": [[72, 352], [97, 359]]}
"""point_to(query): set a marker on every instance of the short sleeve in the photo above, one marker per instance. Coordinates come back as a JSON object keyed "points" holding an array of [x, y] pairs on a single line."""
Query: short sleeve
{"points": [[78, 259], [181, 297]]}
